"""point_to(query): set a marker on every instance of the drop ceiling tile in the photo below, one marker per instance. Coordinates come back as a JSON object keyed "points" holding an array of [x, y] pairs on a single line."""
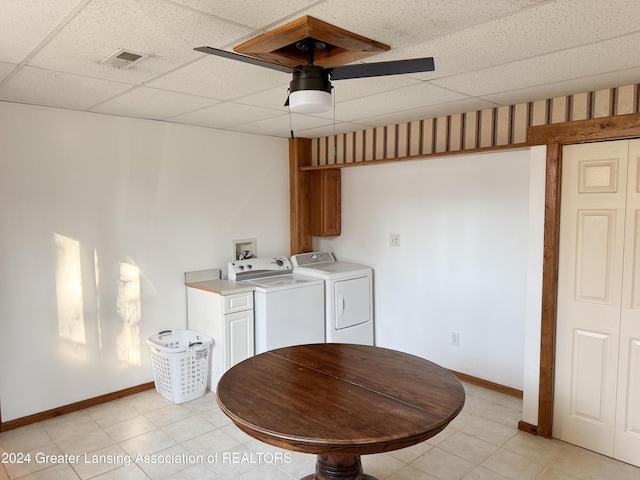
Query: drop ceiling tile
{"points": [[568, 87], [405, 23], [145, 102], [568, 24], [225, 115], [221, 78], [458, 106], [609, 56], [304, 122], [54, 89], [548, 28], [277, 126], [166, 31], [273, 98], [281, 126], [345, 90], [329, 130], [258, 14], [434, 111], [401, 99], [25, 25]]}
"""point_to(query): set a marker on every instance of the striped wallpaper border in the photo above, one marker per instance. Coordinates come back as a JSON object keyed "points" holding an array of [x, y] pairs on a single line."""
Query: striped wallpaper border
{"points": [[493, 127]]}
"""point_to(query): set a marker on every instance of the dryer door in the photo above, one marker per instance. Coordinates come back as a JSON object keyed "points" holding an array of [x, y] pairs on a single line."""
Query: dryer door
{"points": [[352, 302]]}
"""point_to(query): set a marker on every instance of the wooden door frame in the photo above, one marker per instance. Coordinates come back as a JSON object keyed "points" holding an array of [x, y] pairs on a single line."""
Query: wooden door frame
{"points": [[555, 136]]}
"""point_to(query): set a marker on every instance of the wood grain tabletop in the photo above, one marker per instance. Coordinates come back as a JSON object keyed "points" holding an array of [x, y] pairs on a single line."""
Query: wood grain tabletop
{"points": [[340, 399]]}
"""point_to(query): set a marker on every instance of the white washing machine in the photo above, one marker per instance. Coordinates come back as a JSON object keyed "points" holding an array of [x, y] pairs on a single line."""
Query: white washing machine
{"points": [[288, 308], [348, 296]]}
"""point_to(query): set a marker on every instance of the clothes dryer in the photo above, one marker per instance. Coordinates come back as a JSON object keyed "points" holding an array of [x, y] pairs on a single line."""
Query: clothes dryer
{"points": [[348, 289]]}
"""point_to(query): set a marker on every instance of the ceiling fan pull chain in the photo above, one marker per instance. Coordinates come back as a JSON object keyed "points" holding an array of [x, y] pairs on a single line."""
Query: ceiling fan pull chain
{"points": [[335, 138], [289, 110]]}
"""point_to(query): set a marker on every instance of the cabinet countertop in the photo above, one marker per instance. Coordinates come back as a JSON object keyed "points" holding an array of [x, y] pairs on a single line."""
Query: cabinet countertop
{"points": [[221, 287]]}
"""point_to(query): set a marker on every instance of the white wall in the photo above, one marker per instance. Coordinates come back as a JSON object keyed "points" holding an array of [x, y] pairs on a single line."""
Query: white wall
{"points": [[537, 182], [462, 261], [100, 216]]}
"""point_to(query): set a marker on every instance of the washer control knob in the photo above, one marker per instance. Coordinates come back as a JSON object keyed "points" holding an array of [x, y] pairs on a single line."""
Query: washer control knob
{"points": [[279, 262], [249, 267]]}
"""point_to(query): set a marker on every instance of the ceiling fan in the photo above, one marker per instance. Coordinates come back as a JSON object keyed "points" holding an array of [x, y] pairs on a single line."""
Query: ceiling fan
{"points": [[310, 88]]}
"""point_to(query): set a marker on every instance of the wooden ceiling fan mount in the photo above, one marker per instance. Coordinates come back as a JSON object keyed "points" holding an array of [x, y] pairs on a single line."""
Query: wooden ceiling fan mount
{"points": [[340, 47]]}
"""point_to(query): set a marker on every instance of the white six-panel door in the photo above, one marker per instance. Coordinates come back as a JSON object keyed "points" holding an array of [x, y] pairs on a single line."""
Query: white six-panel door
{"points": [[597, 344], [627, 436]]}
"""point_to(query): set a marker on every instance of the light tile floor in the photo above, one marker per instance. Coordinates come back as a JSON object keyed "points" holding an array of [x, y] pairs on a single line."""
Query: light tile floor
{"points": [[144, 436]]}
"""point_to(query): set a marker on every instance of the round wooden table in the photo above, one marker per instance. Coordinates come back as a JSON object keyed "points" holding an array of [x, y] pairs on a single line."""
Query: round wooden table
{"points": [[339, 401]]}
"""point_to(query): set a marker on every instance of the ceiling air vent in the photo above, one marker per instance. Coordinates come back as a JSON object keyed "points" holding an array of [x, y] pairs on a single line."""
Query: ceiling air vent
{"points": [[122, 58]]}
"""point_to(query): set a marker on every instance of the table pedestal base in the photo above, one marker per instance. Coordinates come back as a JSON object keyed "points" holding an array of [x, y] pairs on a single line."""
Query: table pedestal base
{"points": [[339, 467]]}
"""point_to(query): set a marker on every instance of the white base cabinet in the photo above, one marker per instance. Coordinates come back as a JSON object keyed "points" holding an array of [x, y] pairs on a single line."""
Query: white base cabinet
{"points": [[229, 320]]}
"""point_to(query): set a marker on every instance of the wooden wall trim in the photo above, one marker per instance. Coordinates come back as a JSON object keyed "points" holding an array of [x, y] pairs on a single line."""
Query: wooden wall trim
{"points": [[72, 407], [594, 130], [416, 157], [549, 288], [301, 239]]}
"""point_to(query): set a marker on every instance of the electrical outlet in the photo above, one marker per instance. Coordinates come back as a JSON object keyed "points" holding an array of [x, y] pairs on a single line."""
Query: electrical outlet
{"points": [[455, 339], [394, 240]]}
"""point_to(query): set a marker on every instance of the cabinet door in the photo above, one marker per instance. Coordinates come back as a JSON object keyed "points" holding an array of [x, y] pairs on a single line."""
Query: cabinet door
{"points": [[239, 337], [325, 203]]}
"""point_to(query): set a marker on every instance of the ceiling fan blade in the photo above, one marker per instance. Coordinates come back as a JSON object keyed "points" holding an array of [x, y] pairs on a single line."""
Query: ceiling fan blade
{"points": [[395, 67], [244, 58]]}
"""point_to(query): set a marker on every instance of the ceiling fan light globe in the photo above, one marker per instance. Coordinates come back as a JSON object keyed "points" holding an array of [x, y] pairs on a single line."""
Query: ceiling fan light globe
{"points": [[309, 101]]}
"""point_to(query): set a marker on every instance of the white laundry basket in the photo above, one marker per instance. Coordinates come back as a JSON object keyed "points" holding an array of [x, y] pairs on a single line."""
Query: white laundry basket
{"points": [[180, 360]]}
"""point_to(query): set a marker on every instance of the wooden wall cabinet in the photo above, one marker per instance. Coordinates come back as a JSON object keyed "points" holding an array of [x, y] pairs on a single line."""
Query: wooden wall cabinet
{"points": [[325, 203]]}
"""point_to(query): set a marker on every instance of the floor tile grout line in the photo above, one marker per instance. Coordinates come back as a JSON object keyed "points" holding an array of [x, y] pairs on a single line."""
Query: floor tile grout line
{"points": [[509, 445]]}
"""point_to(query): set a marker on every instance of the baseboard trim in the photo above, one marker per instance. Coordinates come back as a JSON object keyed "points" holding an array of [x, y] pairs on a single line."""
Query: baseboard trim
{"points": [[527, 427], [72, 407], [513, 392]]}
